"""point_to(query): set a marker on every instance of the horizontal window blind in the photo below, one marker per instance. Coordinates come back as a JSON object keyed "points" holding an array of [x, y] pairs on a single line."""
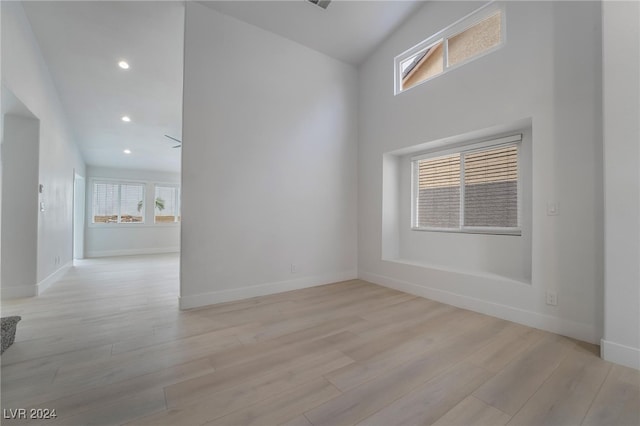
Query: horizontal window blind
{"points": [[166, 204], [105, 203], [118, 203], [476, 188], [438, 198], [491, 188], [131, 203]]}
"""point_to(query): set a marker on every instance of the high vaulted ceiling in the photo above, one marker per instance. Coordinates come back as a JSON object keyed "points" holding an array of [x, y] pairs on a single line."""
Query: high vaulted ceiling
{"points": [[83, 41], [348, 30]]}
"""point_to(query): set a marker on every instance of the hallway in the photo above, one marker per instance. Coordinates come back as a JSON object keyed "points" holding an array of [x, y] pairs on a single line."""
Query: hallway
{"points": [[101, 308]]}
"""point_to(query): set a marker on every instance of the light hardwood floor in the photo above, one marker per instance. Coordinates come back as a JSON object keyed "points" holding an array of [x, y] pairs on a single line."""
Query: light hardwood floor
{"points": [[108, 345]]}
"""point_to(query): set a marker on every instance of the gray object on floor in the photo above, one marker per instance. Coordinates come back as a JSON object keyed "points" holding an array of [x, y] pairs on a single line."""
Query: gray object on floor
{"points": [[9, 325]]}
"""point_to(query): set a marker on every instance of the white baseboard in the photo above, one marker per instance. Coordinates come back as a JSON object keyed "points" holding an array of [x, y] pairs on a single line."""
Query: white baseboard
{"points": [[577, 330], [18, 291], [46, 283], [211, 298], [620, 354], [131, 252]]}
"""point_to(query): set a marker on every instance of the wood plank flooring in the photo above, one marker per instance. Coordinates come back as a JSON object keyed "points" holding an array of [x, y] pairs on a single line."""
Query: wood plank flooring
{"points": [[107, 345]]}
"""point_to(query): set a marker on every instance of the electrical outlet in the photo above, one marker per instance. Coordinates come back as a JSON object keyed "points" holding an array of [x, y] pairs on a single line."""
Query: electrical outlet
{"points": [[552, 298], [294, 268]]}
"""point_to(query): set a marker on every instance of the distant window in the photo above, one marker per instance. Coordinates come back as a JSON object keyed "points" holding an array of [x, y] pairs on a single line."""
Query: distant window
{"points": [[474, 189], [118, 202], [167, 204], [470, 37]]}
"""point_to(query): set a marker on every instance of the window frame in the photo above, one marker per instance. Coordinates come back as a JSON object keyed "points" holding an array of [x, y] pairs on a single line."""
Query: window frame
{"points": [[511, 140], [445, 34], [95, 182], [176, 188]]}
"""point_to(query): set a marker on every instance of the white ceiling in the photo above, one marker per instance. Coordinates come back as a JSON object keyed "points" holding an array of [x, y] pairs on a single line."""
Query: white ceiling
{"points": [[348, 30], [82, 42]]}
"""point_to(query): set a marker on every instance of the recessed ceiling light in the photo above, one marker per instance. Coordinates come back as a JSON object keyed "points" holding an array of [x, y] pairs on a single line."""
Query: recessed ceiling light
{"points": [[127, 151], [124, 65], [126, 118]]}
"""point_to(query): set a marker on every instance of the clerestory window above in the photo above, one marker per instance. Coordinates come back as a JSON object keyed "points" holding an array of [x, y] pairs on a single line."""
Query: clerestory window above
{"points": [[478, 33]]}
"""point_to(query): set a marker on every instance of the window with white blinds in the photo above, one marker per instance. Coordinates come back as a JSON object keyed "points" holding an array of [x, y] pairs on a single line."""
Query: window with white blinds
{"points": [[118, 202], [472, 190], [167, 204], [105, 203]]}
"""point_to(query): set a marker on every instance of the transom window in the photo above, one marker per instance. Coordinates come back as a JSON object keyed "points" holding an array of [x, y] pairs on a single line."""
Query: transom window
{"points": [[474, 189], [474, 35], [118, 202]]}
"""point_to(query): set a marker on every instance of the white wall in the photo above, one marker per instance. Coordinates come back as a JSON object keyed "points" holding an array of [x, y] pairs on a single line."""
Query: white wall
{"points": [[25, 74], [20, 206], [621, 100], [269, 163], [128, 239], [548, 72]]}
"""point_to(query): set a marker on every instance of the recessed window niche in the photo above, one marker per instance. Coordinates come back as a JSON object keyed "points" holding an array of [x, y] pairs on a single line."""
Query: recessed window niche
{"points": [[483, 254]]}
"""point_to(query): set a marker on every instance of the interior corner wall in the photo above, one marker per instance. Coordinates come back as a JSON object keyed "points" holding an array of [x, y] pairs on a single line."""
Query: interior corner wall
{"points": [[131, 238], [621, 101], [269, 164], [548, 72], [25, 74], [20, 207]]}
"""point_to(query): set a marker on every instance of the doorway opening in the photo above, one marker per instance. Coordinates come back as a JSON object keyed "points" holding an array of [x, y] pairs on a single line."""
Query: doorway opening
{"points": [[79, 188]]}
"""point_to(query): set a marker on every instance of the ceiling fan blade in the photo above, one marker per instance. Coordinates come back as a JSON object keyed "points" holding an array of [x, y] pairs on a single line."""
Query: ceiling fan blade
{"points": [[177, 146], [172, 138]]}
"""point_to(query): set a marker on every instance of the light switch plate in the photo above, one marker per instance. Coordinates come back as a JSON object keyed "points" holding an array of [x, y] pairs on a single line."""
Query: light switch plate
{"points": [[553, 208]]}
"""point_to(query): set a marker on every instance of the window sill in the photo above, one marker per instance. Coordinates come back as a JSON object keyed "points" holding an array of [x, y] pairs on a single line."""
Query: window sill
{"points": [[486, 231], [132, 225], [470, 272]]}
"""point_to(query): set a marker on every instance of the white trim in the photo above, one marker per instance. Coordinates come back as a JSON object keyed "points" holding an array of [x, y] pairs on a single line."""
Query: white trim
{"points": [[620, 354], [577, 330], [131, 252], [220, 296], [54, 277], [18, 291]]}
